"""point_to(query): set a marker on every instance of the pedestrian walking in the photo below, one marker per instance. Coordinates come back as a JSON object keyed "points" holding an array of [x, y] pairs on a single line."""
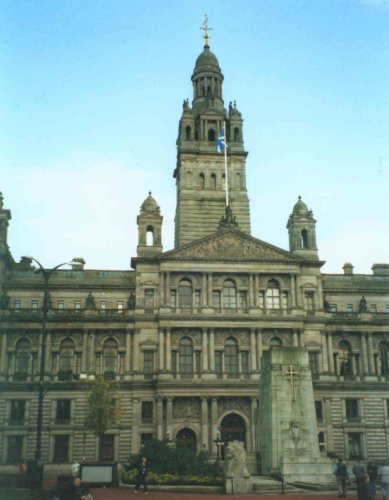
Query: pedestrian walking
{"points": [[372, 472], [383, 476], [361, 477], [141, 477], [341, 474]]}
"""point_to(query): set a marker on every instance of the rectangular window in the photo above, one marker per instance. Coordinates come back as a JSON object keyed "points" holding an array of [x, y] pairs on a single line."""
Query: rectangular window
{"points": [[61, 449], [197, 299], [120, 307], [103, 306], [218, 364], [17, 413], [108, 448], [17, 304], [322, 442], [272, 298], [261, 300], [216, 299], [60, 305], [352, 410], [354, 441], [147, 412], [285, 300], [174, 362], [349, 308], [333, 308], [34, 305], [15, 449], [149, 299], [144, 437], [63, 410], [198, 362], [387, 308], [373, 308], [319, 411], [387, 408], [309, 301], [313, 358], [243, 299], [77, 305], [173, 299], [148, 363], [245, 362]]}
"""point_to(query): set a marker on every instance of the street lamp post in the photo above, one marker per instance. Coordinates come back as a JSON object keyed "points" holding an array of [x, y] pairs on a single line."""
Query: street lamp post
{"points": [[46, 273]]}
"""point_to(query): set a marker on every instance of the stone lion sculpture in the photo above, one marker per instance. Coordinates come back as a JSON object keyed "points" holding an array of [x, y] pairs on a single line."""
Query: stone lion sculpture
{"points": [[236, 460]]}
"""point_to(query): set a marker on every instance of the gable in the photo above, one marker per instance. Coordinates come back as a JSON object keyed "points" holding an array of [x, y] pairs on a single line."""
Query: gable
{"points": [[230, 245]]}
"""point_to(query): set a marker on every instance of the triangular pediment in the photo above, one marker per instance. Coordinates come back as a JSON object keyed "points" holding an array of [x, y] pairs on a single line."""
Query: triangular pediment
{"points": [[230, 245]]}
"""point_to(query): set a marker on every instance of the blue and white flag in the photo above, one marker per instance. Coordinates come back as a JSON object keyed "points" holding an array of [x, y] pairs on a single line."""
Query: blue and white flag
{"points": [[221, 142]]}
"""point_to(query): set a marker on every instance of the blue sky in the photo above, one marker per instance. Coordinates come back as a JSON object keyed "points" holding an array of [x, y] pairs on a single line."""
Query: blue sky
{"points": [[91, 93]]}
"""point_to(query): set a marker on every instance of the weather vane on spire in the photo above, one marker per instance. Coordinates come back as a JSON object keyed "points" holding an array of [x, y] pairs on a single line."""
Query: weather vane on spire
{"points": [[206, 29]]}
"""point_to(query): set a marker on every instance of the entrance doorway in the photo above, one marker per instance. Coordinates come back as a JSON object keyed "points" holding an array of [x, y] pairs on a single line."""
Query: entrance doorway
{"points": [[186, 438], [233, 428]]}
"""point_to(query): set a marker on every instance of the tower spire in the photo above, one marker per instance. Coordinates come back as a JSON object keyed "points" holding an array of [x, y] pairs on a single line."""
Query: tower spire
{"points": [[206, 29]]}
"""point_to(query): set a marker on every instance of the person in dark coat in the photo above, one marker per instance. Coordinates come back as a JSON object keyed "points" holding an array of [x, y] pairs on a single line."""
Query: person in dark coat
{"points": [[372, 472], [70, 490], [341, 474], [142, 474]]}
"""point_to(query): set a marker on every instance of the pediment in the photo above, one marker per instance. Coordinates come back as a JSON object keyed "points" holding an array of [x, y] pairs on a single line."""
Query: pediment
{"points": [[230, 245]]}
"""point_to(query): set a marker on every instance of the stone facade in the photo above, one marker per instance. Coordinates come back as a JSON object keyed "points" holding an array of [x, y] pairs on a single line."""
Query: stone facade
{"points": [[181, 335]]}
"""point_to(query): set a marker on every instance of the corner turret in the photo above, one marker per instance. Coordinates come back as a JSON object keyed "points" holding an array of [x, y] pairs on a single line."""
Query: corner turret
{"points": [[149, 228], [302, 231]]}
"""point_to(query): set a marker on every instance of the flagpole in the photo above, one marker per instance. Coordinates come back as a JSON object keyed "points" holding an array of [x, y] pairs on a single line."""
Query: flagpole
{"points": [[225, 162]]}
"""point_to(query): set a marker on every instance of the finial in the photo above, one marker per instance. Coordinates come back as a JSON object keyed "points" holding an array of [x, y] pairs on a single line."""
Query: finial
{"points": [[206, 29], [299, 196], [149, 193]]}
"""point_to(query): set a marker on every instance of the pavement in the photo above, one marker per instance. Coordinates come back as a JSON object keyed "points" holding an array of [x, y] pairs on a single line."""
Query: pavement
{"points": [[126, 494]]}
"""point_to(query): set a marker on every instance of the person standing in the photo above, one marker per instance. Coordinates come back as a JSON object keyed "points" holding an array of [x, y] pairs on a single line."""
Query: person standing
{"points": [[341, 474], [372, 472], [141, 477], [359, 472], [383, 475]]}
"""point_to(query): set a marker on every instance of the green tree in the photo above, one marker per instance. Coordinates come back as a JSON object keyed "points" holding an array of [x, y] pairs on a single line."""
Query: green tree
{"points": [[102, 410]]}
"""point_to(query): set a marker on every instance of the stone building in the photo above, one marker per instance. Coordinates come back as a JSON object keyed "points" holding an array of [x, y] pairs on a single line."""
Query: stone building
{"points": [[181, 334]]}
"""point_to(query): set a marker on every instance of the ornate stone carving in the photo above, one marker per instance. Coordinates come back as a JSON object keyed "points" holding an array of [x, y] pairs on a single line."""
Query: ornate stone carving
{"points": [[186, 408]]}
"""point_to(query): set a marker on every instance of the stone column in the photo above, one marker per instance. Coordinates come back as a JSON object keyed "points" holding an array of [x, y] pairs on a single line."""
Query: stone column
{"points": [[251, 291], [91, 353], [3, 355], [84, 353], [370, 352], [256, 290], [161, 364], [210, 289], [212, 350], [330, 354], [364, 354], [135, 435], [297, 291], [301, 338], [169, 417], [214, 424], [167, 288], [252, 445], [204, 291], [253, 361], [168, 350], [292, 291], [135, 350], [259, 348], [295, 338], [205, 354], [160, 419], [127, 358], [162, 293], [324, 351], [48, 355], [204, 424]]}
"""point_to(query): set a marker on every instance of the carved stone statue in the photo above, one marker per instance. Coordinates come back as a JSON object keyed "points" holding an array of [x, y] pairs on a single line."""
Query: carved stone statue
{"points": [[326, 305], [4, 300], [131, 301], [90, 302], [238, 479], [362, 305]]}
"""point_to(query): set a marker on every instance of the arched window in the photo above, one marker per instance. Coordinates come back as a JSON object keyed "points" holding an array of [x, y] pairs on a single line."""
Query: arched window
{"points": [[304, 238], [186, 438], [213, 182], [275, 342], [231, 362], [110, 356], [66, 359], [150, 236], [236, 134], [211, 135], [185, 357], [188, 133], [202, 181], [345, 354], [272, 295], [22, 358], [383, 348], [229, 294], [185, 294]]}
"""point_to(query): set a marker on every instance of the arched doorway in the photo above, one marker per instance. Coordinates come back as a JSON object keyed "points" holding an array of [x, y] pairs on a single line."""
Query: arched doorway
{"points": [[186, 438], [232, 428]]}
